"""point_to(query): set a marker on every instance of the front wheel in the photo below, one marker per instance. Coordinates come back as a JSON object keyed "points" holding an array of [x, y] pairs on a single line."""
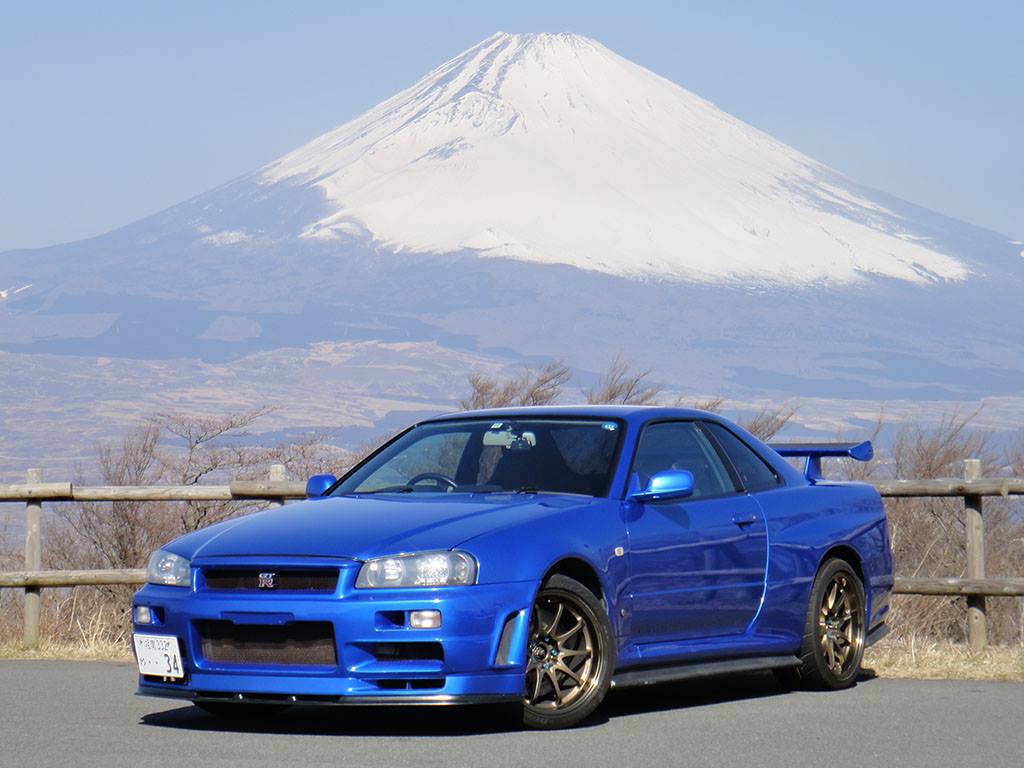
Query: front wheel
{"points": [[833, 643], [570, 655]]}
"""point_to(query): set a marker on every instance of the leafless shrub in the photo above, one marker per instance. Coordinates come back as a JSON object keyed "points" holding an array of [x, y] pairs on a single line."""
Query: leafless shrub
{"points": [[310, 456], [709, 404], [764, 425], [530, 387], [624, 386], [206, 447], [119, 534], [928, 533], [172, 449], [769, 421], [1015, 457], [862, 471]]}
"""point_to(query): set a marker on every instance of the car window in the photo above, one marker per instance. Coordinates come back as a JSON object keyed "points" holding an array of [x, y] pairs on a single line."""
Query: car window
{"points": [[681, 445], [493, 455], [754, 472], [434, 454]]}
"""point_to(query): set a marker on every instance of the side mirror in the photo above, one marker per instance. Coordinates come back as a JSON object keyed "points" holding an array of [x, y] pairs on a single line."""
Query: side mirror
{"points": [[317, 485], [666, 485]]}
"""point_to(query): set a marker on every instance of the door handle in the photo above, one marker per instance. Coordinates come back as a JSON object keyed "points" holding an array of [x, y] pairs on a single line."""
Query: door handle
{"points": [[743, 520]]}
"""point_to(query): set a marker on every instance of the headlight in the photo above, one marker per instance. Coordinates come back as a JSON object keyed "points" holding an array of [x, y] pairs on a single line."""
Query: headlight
{"points": [[169, 569], [425, 569]]}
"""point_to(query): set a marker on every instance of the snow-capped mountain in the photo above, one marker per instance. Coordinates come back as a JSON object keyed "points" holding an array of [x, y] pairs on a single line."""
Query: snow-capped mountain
{"points": [[535, 197], [551, 148]]}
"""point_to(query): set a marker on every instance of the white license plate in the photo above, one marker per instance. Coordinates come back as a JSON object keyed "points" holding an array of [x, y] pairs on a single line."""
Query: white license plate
{"points": [[158, 655]]}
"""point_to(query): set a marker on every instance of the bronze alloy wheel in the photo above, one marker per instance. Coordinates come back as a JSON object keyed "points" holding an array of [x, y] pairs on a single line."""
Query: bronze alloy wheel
{"points": [[561, 653], [568, 669], [833, 642], [841, 625]]}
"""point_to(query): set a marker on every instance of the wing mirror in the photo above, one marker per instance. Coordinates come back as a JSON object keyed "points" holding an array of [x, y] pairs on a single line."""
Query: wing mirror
{"points": [[317, 485], [665, 485]]}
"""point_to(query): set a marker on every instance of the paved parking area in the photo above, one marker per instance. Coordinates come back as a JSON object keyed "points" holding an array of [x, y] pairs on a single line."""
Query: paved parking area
{"points": [[55, 713]]}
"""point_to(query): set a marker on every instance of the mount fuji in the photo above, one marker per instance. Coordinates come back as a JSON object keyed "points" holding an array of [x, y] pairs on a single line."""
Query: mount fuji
{"points": [[536, 196]]}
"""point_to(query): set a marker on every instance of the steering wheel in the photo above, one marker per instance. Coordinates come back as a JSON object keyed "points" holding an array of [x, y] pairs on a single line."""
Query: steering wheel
{"points": [[436, 476]]}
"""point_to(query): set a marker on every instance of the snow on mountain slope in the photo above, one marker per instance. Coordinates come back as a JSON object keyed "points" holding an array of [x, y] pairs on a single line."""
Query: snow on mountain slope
{"points": [[552, 148]]}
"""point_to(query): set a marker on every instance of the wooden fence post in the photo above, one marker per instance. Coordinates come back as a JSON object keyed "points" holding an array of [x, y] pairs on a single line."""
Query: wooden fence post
{"points": [[33, 561], [977, 624], [277, 475]]}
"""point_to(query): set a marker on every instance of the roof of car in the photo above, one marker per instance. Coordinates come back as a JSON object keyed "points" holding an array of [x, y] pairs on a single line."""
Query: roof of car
{"points": [[626, 412]]}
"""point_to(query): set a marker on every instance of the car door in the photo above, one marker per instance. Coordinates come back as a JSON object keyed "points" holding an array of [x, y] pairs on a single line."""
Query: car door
{"points": [[697, 564]]}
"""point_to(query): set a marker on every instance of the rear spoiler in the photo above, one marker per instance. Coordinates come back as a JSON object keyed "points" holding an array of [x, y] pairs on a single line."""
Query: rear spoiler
{"points": [[814, 452]]}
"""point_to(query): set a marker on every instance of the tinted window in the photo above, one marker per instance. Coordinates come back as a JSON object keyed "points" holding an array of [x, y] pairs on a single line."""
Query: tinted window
{"points": [[754, 473], [681, 445], [493, 455]]}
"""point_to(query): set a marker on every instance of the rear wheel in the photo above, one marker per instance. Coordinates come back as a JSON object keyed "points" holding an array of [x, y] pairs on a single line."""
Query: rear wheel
{"points": [[570, 655], [833, 642]]}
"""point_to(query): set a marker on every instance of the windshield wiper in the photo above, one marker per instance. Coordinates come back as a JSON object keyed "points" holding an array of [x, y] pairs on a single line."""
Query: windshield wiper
{"points": [[388, 489], [527, 489]]}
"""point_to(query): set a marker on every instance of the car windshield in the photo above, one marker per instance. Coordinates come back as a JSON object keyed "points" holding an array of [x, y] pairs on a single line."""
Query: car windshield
{"points": [[494, 455]]}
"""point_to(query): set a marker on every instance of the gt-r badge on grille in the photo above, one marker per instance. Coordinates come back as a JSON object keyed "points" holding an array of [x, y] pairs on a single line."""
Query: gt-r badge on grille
{"points": [[266, 581]]}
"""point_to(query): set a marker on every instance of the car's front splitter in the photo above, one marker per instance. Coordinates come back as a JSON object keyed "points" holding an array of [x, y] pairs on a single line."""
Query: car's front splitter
{"points": [[433, 699]]}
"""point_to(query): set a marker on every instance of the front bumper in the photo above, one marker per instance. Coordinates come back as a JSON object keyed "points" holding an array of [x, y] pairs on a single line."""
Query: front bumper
{"points": [[481, 641], [417, 700]]}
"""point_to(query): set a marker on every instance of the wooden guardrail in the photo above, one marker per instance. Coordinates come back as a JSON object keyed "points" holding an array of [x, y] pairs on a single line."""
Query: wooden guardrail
{"points": [[975, 586]]}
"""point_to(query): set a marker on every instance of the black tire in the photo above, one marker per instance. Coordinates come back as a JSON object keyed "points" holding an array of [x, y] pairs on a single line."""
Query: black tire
{"points": [[820, 668], [230, 710], [591, 663]]}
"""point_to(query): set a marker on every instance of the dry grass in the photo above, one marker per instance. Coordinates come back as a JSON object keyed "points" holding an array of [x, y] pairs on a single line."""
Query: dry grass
{"points": [[929, 660], [69, 651]]}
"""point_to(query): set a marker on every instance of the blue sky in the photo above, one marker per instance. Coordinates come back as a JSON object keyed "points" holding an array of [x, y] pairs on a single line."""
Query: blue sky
{"points": [[111, 111]]}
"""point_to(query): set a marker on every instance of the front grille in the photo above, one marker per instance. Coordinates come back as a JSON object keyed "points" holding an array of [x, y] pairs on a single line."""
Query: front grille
{"points": [[298, 644], [310, 580]]}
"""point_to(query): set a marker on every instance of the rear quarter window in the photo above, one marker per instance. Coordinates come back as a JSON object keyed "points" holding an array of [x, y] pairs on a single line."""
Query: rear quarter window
{"points": [[754, 472]]}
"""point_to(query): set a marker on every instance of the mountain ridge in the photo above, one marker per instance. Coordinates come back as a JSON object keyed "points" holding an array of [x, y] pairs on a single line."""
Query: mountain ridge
{"points": [[538, 116], [214, 287]]}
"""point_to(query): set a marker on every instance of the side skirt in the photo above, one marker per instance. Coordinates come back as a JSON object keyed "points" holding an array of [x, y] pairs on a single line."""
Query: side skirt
{"points": [[651, 675]]}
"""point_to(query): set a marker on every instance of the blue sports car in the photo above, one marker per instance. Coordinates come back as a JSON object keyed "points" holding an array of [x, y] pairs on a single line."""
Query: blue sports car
{"points": [[537, 556]]}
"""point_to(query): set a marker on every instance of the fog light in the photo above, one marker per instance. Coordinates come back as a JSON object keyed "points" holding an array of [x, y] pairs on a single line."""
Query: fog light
{"points": [[424, 619], [143, 615]]}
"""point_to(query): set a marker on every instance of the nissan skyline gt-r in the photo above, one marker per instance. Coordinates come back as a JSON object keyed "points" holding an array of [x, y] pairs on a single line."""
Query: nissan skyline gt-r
{"points": [[537, 556]]}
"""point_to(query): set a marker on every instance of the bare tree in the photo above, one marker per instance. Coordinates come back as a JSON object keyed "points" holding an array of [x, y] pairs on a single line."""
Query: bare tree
{"points": [[313, 455], [122, 534], [207, 447], [530, 387], [709, 404], [118, 534], [764, 425], [769, 422], [623, 385], [928, 533]]}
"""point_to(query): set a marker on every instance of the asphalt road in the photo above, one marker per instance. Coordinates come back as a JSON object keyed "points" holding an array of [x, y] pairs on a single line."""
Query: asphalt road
{"points": [[74, 714]]}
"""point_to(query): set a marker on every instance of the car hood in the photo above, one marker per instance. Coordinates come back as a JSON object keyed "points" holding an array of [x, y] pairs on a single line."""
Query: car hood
{"points": [[364, 527]]}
